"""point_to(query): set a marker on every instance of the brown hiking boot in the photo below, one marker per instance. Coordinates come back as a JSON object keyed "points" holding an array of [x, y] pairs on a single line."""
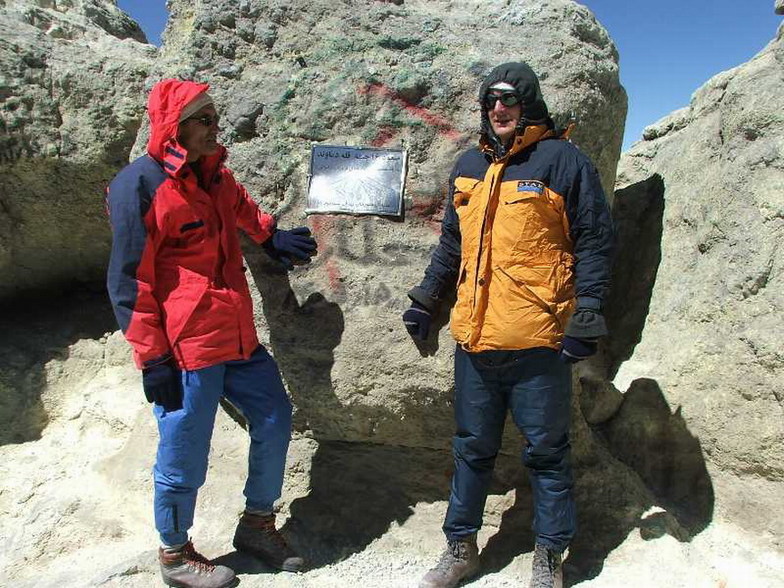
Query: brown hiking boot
{"points": [[547, 568], [459, 562], [184, 567], [257, 535]]}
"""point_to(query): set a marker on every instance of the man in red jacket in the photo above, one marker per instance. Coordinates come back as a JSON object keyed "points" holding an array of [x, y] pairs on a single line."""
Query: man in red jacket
{"points": [[178, 289]]}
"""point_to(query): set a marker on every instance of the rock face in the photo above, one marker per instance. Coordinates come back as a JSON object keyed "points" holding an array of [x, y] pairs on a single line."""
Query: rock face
{"points": [[701, 201], [71, 102], [287, 74], [368, 470]]}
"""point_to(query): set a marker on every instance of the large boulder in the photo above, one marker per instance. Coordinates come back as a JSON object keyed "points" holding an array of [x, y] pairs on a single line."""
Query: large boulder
{"points": [[368, 471], [72, 97], [372, 73], [699, 304]]}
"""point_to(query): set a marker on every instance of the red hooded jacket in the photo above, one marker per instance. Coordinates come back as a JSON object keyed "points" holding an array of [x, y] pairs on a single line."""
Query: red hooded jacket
{"points": [[176, 278]]}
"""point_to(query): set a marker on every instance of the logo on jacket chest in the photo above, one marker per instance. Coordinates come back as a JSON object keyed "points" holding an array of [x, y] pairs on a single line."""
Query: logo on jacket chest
{"points": [[534, 186]]}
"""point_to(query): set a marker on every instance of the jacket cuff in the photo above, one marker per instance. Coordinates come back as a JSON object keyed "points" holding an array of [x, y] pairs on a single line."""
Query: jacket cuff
{"points": [[155, 361], [586, 324], [423, 297], [268, 228], [589, 302]]}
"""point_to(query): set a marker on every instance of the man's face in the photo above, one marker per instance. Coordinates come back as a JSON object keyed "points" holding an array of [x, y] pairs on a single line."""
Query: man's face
{"points": [[199, 133], [503, 118]]}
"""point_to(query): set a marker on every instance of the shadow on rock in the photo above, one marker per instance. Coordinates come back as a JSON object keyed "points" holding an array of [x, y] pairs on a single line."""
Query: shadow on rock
{"points": [[303, 338], [656, 444], [515, 534], [643, 470], [638, 213], [36, 329], [358, 490]]}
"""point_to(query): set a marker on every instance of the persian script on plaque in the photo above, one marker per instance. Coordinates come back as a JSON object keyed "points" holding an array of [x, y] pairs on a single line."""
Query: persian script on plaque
{"points": [[356, 180]]}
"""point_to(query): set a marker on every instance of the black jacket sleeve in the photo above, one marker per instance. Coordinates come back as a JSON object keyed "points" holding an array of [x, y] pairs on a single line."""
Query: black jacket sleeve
{"points": [[592, 233], [441, 274]]}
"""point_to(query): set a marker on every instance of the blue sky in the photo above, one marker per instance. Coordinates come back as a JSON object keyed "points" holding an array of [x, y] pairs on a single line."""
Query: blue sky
{"points": [[668, 48]]}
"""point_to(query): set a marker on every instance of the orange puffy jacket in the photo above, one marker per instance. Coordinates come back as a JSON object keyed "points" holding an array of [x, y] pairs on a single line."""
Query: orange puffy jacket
{"points": [[525, 236], [176, 278]]}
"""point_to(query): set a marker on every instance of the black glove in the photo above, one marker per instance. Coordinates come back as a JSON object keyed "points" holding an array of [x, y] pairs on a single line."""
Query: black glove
{"points": [[162, 384], [288, 246], [417, 320], [574, 350]]}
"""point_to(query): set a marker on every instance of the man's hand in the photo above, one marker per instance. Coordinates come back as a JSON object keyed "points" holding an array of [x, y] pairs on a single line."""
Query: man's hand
{"points": [[162, 384], [574, 350], [291, 246], [417, 320]]}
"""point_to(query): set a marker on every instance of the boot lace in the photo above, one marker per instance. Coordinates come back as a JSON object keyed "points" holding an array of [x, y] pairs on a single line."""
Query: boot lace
{"points": [[268, 528], [195, 560], [454, 552]]}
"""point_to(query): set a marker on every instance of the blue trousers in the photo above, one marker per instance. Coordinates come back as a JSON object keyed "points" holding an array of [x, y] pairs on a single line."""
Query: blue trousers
{"points": [[536, 387], [255, 387]]}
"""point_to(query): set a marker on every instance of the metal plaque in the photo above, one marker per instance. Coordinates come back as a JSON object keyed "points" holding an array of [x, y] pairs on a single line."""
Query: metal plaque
{"points": [[356, 180]]}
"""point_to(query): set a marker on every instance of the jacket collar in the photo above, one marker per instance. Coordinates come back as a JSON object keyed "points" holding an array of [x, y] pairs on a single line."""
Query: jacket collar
{"points": [[175, 161], [531, 135]]}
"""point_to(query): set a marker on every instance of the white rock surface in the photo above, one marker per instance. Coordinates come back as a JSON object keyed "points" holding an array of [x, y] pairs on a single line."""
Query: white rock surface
{"points": [[71, 100], [712, 338]]}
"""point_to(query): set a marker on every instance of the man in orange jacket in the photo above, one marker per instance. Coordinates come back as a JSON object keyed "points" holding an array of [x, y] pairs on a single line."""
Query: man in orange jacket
{"points": [[177, 285], [526, 240]]}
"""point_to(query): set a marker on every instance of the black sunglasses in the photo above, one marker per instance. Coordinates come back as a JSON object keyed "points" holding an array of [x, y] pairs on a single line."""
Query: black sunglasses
{"points": [[507, 99], [205, 119]]}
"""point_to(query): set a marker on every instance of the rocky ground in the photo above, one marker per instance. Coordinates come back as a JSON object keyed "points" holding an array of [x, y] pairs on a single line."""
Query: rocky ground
{"points": [[75, 494]]}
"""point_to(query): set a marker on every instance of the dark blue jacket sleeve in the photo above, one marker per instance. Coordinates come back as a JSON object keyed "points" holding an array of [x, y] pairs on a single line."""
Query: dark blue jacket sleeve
{"points": [[131, 275], [441, 274], [592, 233]]}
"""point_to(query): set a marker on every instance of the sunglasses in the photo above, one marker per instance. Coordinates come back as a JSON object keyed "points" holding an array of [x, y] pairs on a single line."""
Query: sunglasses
{"points": [[205, 119], [507, 99]]}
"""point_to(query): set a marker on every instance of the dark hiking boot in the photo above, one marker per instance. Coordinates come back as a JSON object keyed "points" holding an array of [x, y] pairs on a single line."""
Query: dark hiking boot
{"points": [[547, 568], [257, 536], [459, 562], [184, 567]]}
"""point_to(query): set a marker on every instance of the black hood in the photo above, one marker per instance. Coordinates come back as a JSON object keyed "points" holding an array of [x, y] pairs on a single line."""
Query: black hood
{"points": [[526, 85]]}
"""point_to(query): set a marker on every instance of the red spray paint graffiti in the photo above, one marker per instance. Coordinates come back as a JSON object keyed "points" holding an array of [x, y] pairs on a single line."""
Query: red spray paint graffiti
{"points": [[441, 124], [324, 228]]}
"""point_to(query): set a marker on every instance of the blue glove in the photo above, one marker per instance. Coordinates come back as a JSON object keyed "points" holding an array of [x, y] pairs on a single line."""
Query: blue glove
{"points": [[162, 384], [290, 246], [574, 350], [417, 320]]}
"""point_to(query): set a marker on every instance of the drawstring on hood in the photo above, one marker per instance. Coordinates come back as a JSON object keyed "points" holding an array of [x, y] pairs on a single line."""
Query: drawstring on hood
{"points": [[526, 85]]}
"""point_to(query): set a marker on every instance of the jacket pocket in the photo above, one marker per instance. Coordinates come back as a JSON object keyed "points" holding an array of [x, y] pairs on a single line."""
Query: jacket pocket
{"points": [[533, 285], [526, 222], [518, 198], [466, 200], [190, 233], [550, 288], [191, 226]]}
